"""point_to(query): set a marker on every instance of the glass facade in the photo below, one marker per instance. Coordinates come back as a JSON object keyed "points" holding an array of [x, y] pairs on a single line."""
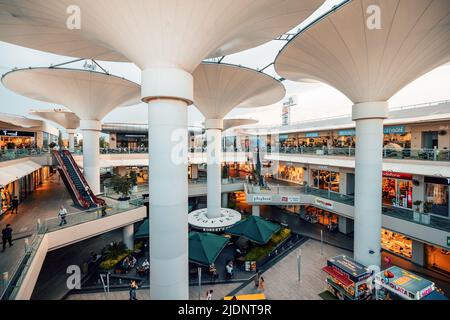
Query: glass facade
{"points": [[396, 243], [437, 192], [325, 180], [397, 190]]}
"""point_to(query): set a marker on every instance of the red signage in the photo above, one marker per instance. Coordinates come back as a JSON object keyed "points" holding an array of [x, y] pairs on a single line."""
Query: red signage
{"points": [[397, 175]]}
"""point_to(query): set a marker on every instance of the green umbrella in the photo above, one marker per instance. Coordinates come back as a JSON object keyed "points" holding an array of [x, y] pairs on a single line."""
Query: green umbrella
{"points": [[255, 229], [205, 247], [143, 231]]}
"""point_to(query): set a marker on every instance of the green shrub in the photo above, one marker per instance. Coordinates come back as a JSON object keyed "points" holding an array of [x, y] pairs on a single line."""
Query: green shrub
{"points": [[108, 264], [259, 252]]}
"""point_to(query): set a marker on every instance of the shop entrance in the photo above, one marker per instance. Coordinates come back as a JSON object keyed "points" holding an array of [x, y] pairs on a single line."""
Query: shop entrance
{"points": [[397, 190], [430, 140]]}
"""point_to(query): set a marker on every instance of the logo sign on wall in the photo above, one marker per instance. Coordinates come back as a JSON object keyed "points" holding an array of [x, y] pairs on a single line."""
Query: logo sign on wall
{"points": [[290, 199], [262, 198], [324, 203]]}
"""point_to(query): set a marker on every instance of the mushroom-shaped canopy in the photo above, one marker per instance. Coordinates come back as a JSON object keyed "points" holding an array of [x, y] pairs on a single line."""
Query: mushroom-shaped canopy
{"points": [[367, 60], [219, 88], [9, 121], [232, 123], [90, 95], [151, 33], [66, 119]]}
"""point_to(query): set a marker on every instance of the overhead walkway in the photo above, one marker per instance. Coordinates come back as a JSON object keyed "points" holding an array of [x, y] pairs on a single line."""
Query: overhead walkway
{"points": [[394, 219]]}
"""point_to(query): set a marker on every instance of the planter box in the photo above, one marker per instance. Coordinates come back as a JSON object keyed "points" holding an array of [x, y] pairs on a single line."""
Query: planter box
{"points": [[134, 189], [224, 181], [124, 204], [426, 219], [417, 217]]}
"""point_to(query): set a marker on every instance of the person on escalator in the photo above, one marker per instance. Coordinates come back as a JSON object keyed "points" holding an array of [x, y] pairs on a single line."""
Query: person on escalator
{"points": [[62, 216]]}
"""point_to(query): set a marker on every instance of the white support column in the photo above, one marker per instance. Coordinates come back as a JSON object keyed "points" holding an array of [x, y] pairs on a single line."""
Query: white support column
{"points": [[71, 133], [128, 236], [368, 181], [225, 200], [255, 211], [91, 153], [214, 162], [168, 92]]}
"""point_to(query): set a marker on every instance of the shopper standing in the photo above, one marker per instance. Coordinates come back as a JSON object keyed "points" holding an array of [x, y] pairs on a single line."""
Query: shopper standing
{"points": [[133, 288], [261, 285], [14, 205], [209, 294], [7, 236], [62, 216]]}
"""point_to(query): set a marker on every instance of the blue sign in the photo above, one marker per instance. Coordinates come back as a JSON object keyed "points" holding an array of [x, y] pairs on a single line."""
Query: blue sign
{"points": [[394, 130], [283, 137], [349, 132], [312, 135]]}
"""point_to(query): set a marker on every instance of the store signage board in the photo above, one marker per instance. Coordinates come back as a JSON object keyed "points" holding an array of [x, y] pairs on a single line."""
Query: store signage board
{"points": [[10, 133], [262, 199], [397, 175], [347, 133], [323, 203], [286, 110], [350, 268], [448, 241], [394, 130], [436, 180], [291, 199], [312, 135]]}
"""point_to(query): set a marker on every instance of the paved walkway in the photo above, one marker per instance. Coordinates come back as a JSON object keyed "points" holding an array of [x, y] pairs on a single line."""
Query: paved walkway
{"points": [[42, 204]]}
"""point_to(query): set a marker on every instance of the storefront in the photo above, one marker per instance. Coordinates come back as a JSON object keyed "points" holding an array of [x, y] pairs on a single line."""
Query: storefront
{"points": [[397, 136], [314, 139], [346, 278], [10, 139], [437, 192], [396, 243], [290, 172], [397, 189], [325, 180], [437, 258], [345, 139]]}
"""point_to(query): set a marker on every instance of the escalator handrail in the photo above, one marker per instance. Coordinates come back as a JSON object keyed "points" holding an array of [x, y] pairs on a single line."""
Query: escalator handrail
{"points": [[62, 166], [91, 195]]}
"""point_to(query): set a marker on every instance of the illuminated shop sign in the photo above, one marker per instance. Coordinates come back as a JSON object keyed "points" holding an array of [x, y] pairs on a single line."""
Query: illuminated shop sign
{"points": [[10, 133], [394, 130], [311, 134], [397, 175], [349, 132], [436, 180]]}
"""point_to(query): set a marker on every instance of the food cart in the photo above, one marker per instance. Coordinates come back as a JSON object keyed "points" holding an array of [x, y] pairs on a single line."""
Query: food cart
{"points": [[347, 279], [399, 284]]}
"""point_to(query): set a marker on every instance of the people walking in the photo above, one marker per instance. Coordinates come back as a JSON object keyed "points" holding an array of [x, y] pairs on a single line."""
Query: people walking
{"points": [[14, 205], [62, 216], [7, 236], [209, 294], [257, 278], [261, 285], [133, 288]]}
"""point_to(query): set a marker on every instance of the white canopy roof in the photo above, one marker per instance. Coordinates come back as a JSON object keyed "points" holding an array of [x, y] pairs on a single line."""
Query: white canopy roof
{"points": [[90, 95], [16, 171], [232, 123], [150, 33], [66, 119], [365, 63], [218, 88]]}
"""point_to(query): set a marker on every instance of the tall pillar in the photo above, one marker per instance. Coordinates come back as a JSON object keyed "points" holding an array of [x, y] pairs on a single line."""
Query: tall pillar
{"points": [[71, 133], [128, 236], [224, 200], [368, 181], [91, 153], [214, 178], [168, 93], [418, 253], [256, 211]]}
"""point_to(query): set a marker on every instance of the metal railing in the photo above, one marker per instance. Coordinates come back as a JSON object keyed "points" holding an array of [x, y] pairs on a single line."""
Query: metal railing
{"points": [[12, 154], [12, 280]]}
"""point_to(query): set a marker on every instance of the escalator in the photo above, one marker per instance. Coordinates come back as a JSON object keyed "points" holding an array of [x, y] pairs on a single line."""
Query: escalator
{"points": [[75, 182]]}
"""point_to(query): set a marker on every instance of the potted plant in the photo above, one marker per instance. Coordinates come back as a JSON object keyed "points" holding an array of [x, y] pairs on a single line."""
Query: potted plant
{"points": [[417, 213], [427, 207], [133, 180], [122, 185]]}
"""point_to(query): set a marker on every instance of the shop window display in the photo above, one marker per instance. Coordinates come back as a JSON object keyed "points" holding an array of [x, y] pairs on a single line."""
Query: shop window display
{"points": [[397, 192], [326, 180], [396, 243], [438, 195], [437, 258], [291, 173]]}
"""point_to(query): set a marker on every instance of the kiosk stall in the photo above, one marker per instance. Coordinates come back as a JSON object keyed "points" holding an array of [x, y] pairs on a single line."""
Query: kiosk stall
{"points": [[346, 278], [399, 284]]}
